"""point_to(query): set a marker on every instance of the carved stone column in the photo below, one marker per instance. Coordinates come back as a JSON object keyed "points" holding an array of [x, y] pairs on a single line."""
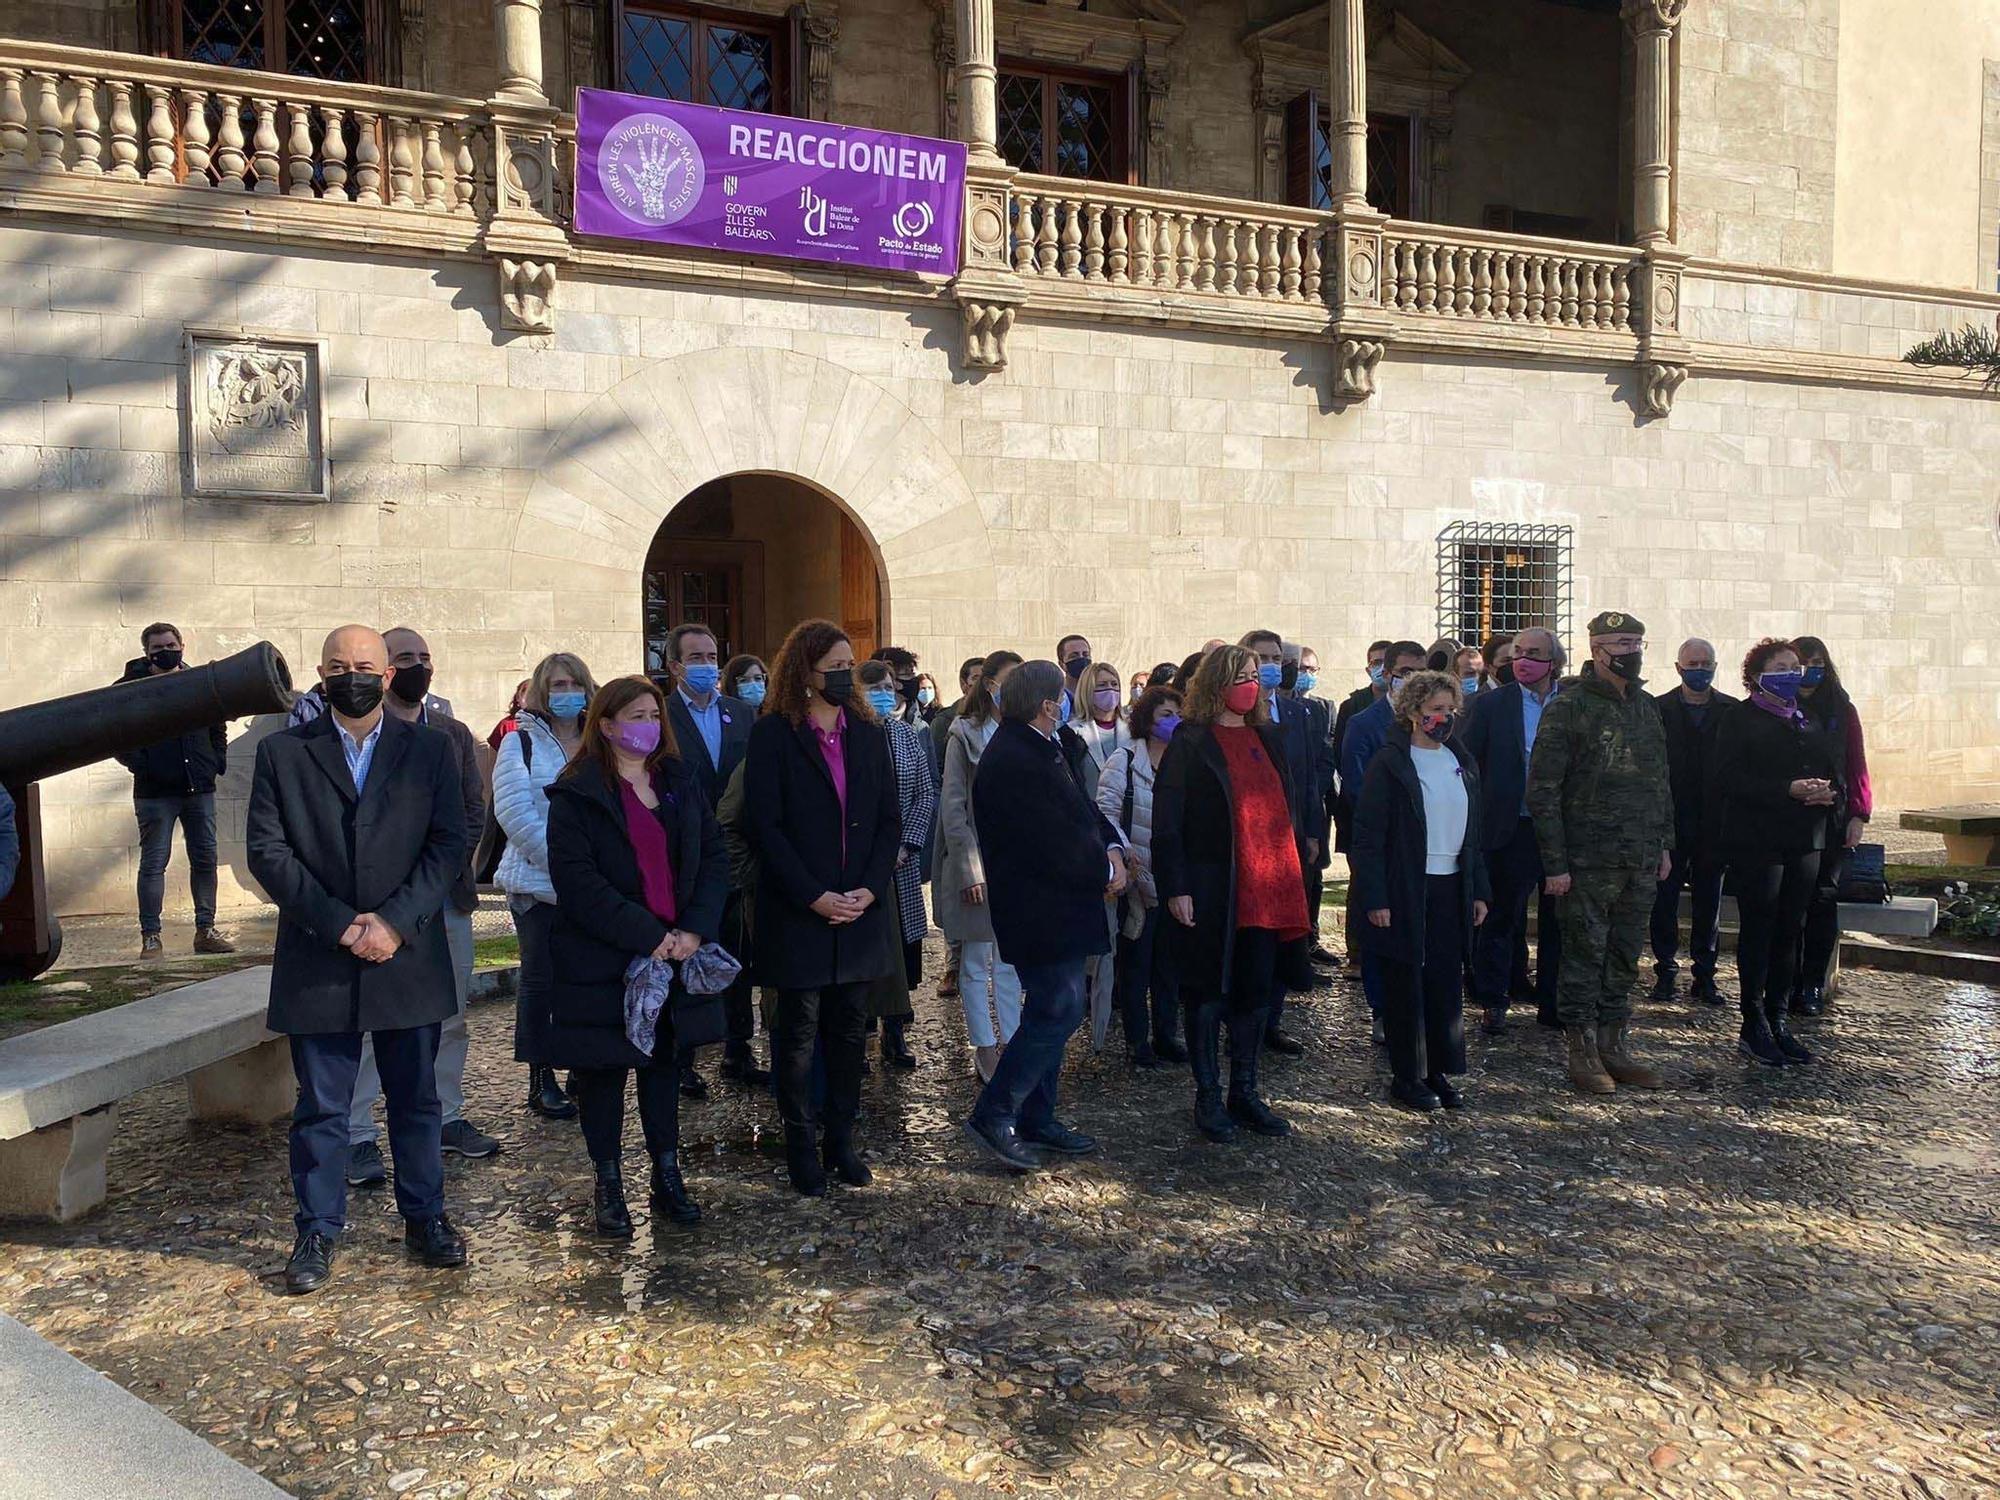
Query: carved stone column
{"points": [[817, 28], [987, 291], [1653, 23], [1663, 342], [518, 26], [975, 79], [525, 237], [1347, 102]]}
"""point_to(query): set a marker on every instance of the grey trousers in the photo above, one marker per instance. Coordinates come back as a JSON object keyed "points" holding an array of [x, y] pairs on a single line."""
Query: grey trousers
{"points": [[454, 1041]]}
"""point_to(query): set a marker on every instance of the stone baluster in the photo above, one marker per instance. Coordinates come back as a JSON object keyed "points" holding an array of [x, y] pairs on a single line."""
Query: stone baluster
{"points": [[1226, 268], [402, 164], [367, 159], [1447, 279], [1204, 265], [1309, 273], [13, 119], [51, 136], [1184, 251], [1481, 304], [1045, 235], [1462, 300], [1537, 289], [1117, 250], [87, 127], [195, 137], [159, 134], [264, 145], [1404, 279], [433, 159], [1093, 241], [1142, 247], [299, 151], [1024, 234], [333, 151], [1586, 310], [1291, 264], [1621, 303], [124, 132], [1572, 299], [1069, 239], [464, 171], [1517, 288], [229, 160]]}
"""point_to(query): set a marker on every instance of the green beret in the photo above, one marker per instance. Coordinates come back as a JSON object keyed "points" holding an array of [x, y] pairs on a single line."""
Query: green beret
{"points": [[1613, 622]]}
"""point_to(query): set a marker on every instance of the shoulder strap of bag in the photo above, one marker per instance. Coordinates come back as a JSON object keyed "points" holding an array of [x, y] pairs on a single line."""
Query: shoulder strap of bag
{"points": [[527, 749], [1131, 776]]}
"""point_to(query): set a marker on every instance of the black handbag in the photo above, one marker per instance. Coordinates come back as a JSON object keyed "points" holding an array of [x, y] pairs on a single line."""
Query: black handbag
{"points": [[699, 1020], [1865, 881]]}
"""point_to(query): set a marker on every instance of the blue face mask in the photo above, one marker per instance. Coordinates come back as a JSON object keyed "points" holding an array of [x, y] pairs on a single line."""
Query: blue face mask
{"points": [[1698, 679], [1468, 685], [702, 677], [883, 701], [926, 696], [1308, 681], [1784, 686], [1270, 674], [568, 705], [1814, 676], [751, 692], [1375, 674]]}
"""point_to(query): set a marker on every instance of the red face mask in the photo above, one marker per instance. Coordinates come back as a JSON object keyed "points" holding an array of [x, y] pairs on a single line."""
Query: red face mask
{"points": [[1241, 698]]}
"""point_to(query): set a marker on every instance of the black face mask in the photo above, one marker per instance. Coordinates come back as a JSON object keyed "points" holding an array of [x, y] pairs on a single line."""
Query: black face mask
{"points": [[1627, 664], [909, 689], [411, 683], [167, 658], [1075, 667], [839, 685], [355, 695], [1504, 673]]}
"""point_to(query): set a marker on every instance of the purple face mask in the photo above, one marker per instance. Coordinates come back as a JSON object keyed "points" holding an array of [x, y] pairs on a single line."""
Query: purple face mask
{"points": [[1164, 727], [1104, 700], [636, 737]]}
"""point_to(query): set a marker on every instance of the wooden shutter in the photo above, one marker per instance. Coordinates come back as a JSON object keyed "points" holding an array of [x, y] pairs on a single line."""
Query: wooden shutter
{"points": [[1301, 122]]}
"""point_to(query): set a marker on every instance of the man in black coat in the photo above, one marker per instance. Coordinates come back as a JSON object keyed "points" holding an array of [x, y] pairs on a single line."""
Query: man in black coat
{"points": [[173, 782], [1690, 714], [1051, 860], [1356, 702], [356, 830], [1319, 732]]}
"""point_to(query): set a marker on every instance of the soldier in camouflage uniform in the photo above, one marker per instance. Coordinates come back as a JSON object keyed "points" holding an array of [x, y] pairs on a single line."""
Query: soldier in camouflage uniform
{"points": [[1604, 820]]}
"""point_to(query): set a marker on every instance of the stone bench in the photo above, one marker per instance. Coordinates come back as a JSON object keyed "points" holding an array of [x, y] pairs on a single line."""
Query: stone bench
{"points": [[1900, 916], [1971, 834], [60, 1086], [71, 1432]]}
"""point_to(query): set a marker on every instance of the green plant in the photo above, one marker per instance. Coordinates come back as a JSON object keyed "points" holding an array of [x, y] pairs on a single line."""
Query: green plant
{"points": [[1968, 911], [1969, 348]]}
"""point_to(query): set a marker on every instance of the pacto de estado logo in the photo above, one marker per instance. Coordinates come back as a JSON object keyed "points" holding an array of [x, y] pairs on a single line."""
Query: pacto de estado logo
{"points": [[913, 220], [651, 170]]}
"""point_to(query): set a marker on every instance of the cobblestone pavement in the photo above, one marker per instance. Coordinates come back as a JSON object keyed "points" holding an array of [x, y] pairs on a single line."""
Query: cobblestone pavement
{"points": [[1751, 1284]]}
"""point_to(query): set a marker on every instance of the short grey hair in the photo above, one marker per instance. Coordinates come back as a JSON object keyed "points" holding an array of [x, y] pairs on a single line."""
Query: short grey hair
{"points": [[1558, 656], [1028, 687]]}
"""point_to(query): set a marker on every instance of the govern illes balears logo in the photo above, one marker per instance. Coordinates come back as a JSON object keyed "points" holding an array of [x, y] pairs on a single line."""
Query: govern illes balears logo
{"points": [[651, 170]]}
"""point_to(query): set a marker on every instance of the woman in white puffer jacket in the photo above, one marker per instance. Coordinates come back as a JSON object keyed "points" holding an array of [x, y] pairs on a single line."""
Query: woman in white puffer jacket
{"points": [[544, 739], [1125, 796]]}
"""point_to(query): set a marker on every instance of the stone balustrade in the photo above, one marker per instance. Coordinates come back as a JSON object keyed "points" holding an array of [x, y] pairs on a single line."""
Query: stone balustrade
{"points": [[1432, 270], [81, 114]]}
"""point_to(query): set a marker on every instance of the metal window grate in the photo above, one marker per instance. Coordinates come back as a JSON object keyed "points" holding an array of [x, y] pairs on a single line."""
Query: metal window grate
{"points": [[1497, 578]]}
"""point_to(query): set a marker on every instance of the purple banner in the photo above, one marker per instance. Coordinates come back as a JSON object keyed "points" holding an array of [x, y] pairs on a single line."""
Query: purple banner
{"points": [[727, 179]]}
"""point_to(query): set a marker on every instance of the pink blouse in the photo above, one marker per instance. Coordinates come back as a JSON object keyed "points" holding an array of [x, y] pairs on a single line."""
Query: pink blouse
{"points": [[649, 845]]}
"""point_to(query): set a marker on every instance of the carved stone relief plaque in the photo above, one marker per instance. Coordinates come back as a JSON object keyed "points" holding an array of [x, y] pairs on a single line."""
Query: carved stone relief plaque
{"points": [[253, 417]]}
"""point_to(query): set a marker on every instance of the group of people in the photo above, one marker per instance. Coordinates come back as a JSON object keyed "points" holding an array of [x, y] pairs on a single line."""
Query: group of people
{"points": [[1150, 851]]}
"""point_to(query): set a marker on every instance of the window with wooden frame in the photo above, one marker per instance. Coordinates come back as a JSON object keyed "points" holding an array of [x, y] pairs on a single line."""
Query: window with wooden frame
{"points": [[1392, 179], [701, 56], [1066, 124], [350, 41]]}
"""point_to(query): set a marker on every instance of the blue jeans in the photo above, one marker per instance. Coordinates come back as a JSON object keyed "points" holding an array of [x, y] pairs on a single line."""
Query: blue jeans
{"points": [[157, 816], [1023, 1090], [326, 1064]]}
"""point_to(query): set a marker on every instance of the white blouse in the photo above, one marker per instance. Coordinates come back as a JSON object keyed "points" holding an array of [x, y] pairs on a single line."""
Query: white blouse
{"points": [[1444, 808]]}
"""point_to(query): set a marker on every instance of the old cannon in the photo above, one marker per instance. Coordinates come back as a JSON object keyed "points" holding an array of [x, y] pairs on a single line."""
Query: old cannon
{"points": [[46, 739]]}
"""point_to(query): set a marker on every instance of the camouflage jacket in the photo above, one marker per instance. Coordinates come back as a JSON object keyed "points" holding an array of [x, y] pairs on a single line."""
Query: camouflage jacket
{"points": [[1597, 783]]}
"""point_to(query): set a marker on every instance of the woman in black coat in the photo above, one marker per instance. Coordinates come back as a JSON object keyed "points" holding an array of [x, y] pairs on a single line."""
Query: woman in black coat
{"points": [[1238, 908], [1420, 881], [822, 816], [639, 869], [1773, 782]]}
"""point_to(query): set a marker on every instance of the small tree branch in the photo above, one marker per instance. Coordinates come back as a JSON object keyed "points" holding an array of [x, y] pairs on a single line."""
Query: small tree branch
{"points": [[1969, 348]]}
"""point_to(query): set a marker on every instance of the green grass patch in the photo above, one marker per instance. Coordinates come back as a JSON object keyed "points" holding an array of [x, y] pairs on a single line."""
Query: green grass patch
{"points": [[495, 952], [66, 994]]}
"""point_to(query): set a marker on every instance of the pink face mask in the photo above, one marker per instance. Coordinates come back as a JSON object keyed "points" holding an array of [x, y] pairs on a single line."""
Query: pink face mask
{"points": [[1528, 671], [636, 737]]}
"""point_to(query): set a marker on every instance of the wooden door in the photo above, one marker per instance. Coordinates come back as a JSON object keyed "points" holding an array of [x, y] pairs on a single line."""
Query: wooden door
{"points": [[860, 591]]}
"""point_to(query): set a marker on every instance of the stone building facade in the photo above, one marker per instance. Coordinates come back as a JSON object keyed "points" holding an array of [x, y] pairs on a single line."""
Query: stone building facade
{"points": [[1150, 410]]}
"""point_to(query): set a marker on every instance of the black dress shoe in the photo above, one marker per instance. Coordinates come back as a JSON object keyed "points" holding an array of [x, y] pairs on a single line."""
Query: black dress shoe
{"points": [[1058, 1137], [436, 1241], [1756, 1041], [1810, 1001], [1795, 1050], [1282, 1043], [670, 1194], [693, 1085], [739, 1064], [802, 1162], [546, 1097], [838, 1156], [1413, 1095], [1447, 1095], [1250, 1111], [310, 1266], [896, 1047], [612, 1218], [1322, 954], [1170, 1051], [1143, 1056], [1003, 1144], [1704, 991], [1493, 1020]]}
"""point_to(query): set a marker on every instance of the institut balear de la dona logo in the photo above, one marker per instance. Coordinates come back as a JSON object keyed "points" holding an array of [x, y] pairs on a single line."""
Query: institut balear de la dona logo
{"points": [[651, 169]]}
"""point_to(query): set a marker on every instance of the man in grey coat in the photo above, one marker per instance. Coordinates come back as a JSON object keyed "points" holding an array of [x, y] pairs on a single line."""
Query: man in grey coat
{"points": [[356, 829]]}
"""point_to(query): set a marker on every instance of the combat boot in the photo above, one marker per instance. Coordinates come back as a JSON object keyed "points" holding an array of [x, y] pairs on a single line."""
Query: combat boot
{"points": [[1620, 1064], [1585, 1070]]}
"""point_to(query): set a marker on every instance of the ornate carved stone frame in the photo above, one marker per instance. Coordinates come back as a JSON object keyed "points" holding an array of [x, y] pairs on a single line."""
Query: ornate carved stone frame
{"points": [[268, 413]]}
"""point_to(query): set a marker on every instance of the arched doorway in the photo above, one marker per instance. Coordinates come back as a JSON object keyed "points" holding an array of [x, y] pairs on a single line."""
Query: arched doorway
{"points": [[751, 555]]}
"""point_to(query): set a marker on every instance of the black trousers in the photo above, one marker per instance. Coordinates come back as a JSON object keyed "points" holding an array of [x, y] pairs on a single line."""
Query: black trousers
{"points": [[1423, 1009], [1688, 871], [1822, 934], [1253, 975], [1516, 868], [1145, 967], [1772, 897], [838, 1014], [913, 962], [600, 1106], [534, 928]]}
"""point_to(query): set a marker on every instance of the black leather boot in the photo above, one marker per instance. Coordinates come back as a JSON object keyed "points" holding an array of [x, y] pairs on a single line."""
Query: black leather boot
{"points": [[670, 1194], [1204, 1037], [838, 1156], [614, 1220], [1246, 1039], [895, 1046], [1756, 1040], [802, 1160], [546, 1097], [1795, 1051]]}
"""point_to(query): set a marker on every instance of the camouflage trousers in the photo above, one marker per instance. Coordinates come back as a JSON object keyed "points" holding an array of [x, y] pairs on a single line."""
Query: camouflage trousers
{"points": [[1604, 922]]}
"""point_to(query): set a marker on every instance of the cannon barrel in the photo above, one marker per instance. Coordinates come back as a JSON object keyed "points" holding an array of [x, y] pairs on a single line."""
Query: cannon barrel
{"points": [[45, 739]]}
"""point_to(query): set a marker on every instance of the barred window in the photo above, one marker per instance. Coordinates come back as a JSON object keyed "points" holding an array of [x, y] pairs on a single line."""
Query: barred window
{"points": [[1499, 578], [345, 40], [1064, 124], [699, 56]]}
